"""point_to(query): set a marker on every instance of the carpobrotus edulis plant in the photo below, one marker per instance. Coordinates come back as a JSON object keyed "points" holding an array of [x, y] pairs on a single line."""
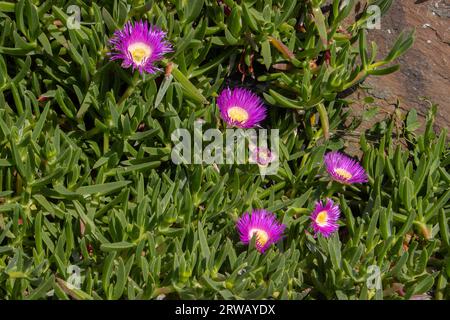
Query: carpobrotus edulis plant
{"points": [[140, 46], [263, 225], [344, 169], [241, 108], [325, 217]]}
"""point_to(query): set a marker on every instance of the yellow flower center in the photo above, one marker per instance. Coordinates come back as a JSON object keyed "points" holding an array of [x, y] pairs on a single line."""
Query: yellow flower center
{"points": [[139, 52], [343, 173], [238, 114], [261, 236], [264, 155], [322, 218]]}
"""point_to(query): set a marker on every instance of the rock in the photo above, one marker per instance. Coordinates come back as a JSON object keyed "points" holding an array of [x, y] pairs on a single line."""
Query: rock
{"points": [[425, 68]]}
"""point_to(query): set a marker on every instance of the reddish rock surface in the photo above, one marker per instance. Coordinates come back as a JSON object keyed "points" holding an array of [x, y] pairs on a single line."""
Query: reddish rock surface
{"points": [[425, 68]]}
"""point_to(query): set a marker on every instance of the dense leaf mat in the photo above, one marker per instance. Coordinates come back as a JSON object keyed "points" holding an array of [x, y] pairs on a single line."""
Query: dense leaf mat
{"points": [[88, 188]]}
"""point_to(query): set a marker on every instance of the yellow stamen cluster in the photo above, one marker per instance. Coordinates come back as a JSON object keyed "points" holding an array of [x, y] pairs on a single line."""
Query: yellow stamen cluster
{"points": [[343, 173], [322, 218], [261, 236], [139, 52], [238, 114]]}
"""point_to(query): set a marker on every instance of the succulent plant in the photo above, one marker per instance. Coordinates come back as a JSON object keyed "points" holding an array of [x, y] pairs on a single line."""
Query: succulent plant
{"points": [[92, 207]]}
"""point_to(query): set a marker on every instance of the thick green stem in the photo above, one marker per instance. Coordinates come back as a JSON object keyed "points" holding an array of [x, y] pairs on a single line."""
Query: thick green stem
{"points": [[129, 90], [92, 132], [105, 142], [359, 77], [324, 120], [189, 89], [334, 187], [18, 184], [275, 188]]}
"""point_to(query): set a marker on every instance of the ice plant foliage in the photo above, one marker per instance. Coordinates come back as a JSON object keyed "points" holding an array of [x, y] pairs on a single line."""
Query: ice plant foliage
{"points": [[324, 218], [241, 108], [160, 231], [344, 169], [260, 224], [140, 46]]}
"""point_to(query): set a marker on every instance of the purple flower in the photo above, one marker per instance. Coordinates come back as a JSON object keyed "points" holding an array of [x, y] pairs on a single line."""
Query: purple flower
{"points": [[344, 169], [139, 46], [261, 224], [324, 218], [241, 108]]}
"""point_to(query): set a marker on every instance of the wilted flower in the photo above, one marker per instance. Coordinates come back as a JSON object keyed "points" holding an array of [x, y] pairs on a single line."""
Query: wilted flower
{"points": [[241, 108], [226, 8], [261, 224], [324, 218], [262, 156], [344, 169], [139, 46]]}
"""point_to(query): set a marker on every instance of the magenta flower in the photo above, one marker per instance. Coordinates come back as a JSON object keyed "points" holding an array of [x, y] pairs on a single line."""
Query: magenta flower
{"points": [[139, 46], [261, 224], [324, 218], [344, 169], [241, 108]]}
